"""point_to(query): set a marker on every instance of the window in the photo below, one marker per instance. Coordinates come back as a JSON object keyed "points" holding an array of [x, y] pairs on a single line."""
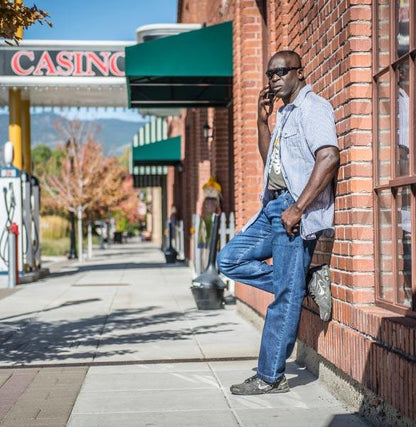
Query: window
{"points": [[394, 44]]}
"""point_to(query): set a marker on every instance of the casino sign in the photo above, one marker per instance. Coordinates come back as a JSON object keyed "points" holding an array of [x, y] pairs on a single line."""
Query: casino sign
{"points": [[64, 63], [65, 73]]}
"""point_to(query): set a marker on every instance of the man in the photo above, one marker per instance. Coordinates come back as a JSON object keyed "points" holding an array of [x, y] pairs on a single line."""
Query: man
{"points": [[301, 158]]}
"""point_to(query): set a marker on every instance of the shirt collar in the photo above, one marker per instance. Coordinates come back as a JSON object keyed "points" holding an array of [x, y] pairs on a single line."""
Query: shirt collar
{"points": [[301, 95]]}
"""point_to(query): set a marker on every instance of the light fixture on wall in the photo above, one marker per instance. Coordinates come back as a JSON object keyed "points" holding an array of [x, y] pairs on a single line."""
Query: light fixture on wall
{"points": [[208, 132]]}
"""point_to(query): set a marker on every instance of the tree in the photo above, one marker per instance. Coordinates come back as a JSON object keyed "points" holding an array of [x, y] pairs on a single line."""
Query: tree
{"points": [[16, 15], [86, 181], [129, 207]]}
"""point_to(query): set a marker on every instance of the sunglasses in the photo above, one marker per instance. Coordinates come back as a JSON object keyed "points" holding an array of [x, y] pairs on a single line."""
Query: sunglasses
{"points": [[281, 71]]}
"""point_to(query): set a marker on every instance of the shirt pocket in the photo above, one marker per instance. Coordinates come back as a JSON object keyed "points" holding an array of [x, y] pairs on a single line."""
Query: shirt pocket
{"points": [[291, 137]]}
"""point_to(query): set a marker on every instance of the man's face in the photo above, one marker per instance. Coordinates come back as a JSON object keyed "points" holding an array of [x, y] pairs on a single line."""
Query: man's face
{"points": [[284, 86]]}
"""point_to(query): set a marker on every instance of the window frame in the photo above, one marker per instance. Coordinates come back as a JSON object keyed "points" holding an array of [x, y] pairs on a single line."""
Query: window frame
{"points": [[395, 182]]}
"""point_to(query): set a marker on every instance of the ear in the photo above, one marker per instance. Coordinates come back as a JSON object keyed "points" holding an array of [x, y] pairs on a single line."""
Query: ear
{"points": [[301, 74]]}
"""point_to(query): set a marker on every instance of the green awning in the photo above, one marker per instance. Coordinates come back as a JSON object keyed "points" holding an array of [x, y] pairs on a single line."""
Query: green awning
{"points": [[192, 69], [164, 152]]}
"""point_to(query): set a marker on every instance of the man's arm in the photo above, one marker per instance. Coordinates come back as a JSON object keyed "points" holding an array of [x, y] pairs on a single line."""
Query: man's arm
{"points": [[326, 165], [265, 109]]}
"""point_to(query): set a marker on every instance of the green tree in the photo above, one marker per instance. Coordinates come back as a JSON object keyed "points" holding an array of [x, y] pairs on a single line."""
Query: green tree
{"points": [[47, 161]]}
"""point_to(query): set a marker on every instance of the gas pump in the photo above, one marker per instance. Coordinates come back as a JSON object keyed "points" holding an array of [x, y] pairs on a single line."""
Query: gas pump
{"points": [[10, 209], [28, 255], [35, 222]]}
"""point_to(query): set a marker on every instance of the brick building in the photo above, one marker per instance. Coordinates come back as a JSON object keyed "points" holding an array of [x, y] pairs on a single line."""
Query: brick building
{"points": [[360, 55]]}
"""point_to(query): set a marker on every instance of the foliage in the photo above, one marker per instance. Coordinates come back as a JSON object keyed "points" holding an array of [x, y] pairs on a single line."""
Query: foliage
{"points": [[121, 222], [82, 178], [60, 246], [129, 206], [54, 247], [41, 154], [15, 15], [124, 159], [53, 227], [46, 161]]}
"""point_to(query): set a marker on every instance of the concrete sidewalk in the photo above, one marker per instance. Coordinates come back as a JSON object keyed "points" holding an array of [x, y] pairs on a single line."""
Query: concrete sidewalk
{"points": [[117, 341]]}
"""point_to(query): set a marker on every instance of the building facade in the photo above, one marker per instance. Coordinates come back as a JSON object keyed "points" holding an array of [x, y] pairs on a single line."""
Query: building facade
{"points": [[360, 55]]}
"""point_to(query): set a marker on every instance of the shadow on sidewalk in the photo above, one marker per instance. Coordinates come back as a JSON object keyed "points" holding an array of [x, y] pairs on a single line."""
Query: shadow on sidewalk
{"points": [[65, 304], [115, 266], [36, 341]]}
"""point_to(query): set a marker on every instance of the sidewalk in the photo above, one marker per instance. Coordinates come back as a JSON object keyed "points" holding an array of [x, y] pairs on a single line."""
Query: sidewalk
{"points": [[117, 341]]}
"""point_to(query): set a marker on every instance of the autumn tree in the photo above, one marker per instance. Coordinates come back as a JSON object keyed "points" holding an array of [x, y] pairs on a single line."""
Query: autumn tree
{"points": [[15, 15], [127, 212], [81, 179]]}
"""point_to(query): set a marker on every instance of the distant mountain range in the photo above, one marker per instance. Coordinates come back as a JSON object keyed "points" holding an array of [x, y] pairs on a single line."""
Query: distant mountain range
{"points": [[114, 134]]}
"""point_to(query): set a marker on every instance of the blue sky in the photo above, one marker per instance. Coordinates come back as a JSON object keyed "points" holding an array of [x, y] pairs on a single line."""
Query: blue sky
{"points": [[99, 20]]}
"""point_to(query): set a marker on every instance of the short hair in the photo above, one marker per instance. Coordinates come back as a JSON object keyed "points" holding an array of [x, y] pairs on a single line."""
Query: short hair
{"points": [[290, 54]]}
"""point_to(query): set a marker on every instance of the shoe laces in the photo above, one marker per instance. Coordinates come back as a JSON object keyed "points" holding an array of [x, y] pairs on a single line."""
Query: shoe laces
{"points": [[251, 379]]}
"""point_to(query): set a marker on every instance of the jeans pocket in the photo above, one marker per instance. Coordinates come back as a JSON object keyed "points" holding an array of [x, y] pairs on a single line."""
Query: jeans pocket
{"points": [[288, 199]]}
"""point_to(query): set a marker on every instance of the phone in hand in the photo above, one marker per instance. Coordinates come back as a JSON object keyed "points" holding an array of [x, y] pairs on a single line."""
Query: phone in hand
{"points": [[269, 95]]}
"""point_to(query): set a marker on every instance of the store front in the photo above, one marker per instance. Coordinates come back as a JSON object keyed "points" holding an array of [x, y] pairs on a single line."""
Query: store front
{"points": [[372, 255]]}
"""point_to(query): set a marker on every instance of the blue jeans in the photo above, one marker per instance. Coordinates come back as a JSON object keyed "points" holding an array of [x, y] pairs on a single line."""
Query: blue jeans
{"points": [[243, 260]]}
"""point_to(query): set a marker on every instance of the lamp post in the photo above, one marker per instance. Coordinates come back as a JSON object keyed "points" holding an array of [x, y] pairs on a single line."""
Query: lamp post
{"points": [[73, 248], [72, 251]]}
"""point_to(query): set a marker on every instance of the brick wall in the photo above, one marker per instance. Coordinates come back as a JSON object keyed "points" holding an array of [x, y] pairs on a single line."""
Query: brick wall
{"points": [[370, 344]]}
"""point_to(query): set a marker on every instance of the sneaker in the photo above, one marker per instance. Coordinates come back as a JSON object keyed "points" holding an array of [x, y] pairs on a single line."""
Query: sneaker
{"points": [[255, 385], [319, 288]]}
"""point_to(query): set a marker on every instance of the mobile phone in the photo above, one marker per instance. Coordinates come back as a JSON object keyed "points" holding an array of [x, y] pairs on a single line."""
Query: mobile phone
{"points": [[270, 95]]}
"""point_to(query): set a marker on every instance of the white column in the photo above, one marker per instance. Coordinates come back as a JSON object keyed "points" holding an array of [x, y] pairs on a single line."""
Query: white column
{"points": [[89, 241], [79, 212]]}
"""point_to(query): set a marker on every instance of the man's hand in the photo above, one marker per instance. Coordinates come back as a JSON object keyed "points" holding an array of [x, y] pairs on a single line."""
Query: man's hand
{"points": [[291, 219], [326, 165], [265, 109], [265, 104]]}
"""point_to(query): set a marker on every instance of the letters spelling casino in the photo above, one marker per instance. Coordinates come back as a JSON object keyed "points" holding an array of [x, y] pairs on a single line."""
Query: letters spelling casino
{"points": [[68, 63]]}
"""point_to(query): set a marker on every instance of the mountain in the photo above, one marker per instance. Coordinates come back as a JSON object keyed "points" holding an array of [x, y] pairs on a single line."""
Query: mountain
{"points": [[114, 134]]}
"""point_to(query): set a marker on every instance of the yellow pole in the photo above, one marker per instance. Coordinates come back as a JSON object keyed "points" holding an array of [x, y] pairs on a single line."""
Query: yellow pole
{"points": [[27, 158], [19, 32], [15, 116], [15, 125]]}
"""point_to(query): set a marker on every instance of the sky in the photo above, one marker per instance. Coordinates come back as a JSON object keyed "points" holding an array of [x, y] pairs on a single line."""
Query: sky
{"points": [[98, 20]]}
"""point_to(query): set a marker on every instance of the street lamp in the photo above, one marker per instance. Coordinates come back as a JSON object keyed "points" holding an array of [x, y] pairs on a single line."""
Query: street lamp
{"points": [[73, 249]]}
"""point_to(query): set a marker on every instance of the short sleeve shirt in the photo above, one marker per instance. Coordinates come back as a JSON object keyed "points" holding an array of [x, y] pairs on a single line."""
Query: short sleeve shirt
{"points": [[309, 125]]}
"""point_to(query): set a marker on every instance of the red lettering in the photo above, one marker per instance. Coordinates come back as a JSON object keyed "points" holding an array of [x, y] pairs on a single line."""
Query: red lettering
{"points": [[17, 68], [68, 63], [65, 66], [115, 70], [45, 63], [100, 64], [78, 64]]}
